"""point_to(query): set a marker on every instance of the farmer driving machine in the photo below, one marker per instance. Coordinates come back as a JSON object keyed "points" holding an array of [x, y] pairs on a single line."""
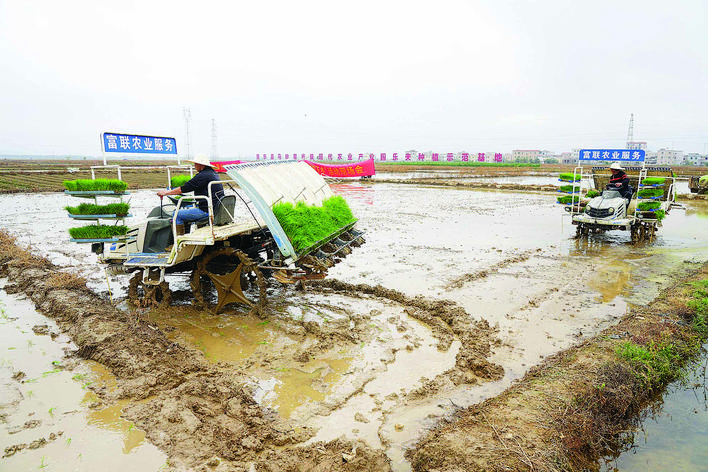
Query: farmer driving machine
{"points": [[595, 206], [698, 184], [278, 220]]}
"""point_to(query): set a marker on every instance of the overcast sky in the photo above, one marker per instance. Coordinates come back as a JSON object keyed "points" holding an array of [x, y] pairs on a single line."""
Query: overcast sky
{"points": [[365, 76]]}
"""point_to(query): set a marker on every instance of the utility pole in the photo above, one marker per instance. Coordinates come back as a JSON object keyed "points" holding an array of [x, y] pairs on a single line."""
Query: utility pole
{"points": [[630, 132], [187, 119], [214, 153]]}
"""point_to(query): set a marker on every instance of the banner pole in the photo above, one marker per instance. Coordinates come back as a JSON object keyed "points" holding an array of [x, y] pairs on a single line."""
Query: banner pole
{"points": [[103, 149]]}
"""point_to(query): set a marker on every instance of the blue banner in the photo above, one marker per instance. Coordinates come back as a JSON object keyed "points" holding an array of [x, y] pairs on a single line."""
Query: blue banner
{"points": [[137, 144], [632, 155]]}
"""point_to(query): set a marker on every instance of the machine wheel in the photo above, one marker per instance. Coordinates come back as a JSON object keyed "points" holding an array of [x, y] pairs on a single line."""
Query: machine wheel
{"points": [[579, 231], [582, 231], [650, 231], [144, 295], [644, 231], [232, 273]]}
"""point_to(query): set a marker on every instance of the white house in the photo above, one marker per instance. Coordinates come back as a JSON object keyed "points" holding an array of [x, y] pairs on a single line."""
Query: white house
{"points": [[669, 157]]}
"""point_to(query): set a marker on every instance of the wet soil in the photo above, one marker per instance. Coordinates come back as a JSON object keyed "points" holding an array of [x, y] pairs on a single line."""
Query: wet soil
{"points": [[51, 419], [198, 412], [455, 295], [570, 409]]}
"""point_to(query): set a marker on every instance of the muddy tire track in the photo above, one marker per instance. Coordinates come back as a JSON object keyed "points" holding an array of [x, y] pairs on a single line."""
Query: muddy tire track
{"points": [[460, 281], [200, 414], [447, 321]]}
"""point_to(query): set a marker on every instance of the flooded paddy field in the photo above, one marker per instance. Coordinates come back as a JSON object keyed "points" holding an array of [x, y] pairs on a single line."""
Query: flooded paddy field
{"points": [[456, 293]]}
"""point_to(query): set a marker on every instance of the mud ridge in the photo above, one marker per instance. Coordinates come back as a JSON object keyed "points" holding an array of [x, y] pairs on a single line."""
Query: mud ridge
{"points": [[447, 320], [463, 279], [557, 418], [202, 415]]}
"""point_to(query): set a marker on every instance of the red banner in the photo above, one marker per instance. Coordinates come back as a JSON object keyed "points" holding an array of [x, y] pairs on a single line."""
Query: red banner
{"points": [[354, 169], [219, 165]]}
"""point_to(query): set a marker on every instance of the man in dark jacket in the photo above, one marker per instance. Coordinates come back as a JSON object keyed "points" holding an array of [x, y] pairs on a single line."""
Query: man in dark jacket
{"points": [[620, 181], [199, 184]]}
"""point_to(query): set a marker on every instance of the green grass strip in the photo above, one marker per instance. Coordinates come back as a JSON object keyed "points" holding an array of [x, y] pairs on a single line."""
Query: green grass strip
{"points": [[93, 209], [569, 177], [650, 192], [306, 225], [593, 193], [646, 206], [179, 180], [568, 199], [654, 364], [660, 214], [654, 181], [88, 185], [699, 305], [97, 231]]}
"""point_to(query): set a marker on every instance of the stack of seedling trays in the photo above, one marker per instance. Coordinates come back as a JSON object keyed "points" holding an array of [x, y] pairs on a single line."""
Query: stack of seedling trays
{"points": [[650, 194], [571, 188], [95, 189]]}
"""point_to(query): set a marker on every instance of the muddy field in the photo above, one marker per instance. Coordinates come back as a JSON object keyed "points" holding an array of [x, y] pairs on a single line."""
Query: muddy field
{"points": [[456, 293]]}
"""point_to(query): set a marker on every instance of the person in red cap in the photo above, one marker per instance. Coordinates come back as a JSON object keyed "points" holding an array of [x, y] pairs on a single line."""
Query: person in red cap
{"points": [[620, 181]]}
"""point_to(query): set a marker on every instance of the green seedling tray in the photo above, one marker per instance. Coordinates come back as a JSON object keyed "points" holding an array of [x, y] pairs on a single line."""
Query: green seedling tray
{"points": [[569, 177], [569, 188], [568, 199], [94, 209], [100, 217], [179, 180], [307, 225], [97, 232], [650, 193], [95, 185], [649, 206], [94, 193]]}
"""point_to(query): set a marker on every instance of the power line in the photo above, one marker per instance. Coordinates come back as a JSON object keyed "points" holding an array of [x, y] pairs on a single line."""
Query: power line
{"points": [[187, 119], [214, 153]]}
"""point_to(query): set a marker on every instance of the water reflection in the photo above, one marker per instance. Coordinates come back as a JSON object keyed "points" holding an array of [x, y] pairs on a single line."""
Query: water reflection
{"points": [[699, 209], [596, 244], [351, 191], [311, 383], [109, 419], [610, 281], [219, 337]]}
